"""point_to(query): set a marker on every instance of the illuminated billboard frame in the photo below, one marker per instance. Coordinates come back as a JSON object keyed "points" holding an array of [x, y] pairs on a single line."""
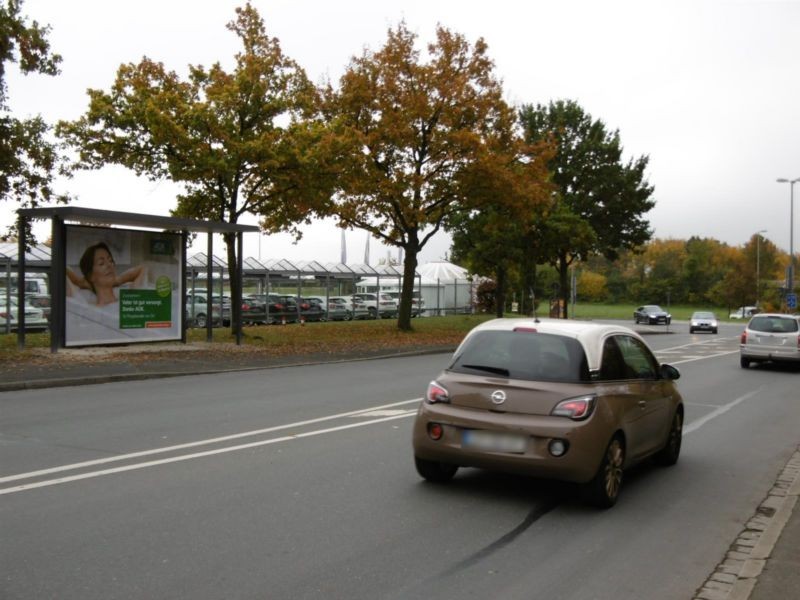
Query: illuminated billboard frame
{"points": [[122, 286]]}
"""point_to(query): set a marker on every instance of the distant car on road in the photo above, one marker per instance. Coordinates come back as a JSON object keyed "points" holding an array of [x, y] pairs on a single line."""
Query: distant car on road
{"points": [[652, 314], [744, 312], [703, 321], [770, 337], [568, 400]]}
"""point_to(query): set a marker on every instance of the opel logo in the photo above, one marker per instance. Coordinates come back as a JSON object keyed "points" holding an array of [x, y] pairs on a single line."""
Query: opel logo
{"points": [[498, 397]]}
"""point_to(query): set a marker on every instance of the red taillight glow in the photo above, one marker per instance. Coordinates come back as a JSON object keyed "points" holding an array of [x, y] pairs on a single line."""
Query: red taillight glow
{"points": [[245, 307], [436, 393], [525, 329], [576, 409], [743, 339]]}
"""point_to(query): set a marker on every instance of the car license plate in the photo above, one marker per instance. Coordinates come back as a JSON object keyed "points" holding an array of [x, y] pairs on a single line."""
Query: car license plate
{"points": [[490, 441]]}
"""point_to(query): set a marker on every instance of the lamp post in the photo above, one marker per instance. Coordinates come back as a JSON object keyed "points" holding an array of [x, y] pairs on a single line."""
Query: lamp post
{"points": [[758, 265], [790, 279]]}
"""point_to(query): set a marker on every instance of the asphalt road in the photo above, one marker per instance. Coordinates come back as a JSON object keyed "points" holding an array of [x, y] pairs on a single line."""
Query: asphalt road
{"points": [[299, 483]]}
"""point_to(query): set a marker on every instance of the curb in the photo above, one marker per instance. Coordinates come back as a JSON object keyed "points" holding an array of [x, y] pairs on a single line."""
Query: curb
{"points": [[736, 577]]}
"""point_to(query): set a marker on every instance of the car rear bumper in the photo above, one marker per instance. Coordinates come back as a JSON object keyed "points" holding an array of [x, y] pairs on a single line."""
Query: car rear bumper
{"points": [[772, 353], [586, 442]]}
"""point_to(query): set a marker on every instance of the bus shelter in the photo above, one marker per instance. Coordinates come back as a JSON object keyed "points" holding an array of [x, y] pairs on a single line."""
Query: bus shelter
{"points": [[151, 245]]}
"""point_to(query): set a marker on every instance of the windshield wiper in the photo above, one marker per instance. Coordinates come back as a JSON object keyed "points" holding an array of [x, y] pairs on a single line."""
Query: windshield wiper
{"points": [[488, 369]]}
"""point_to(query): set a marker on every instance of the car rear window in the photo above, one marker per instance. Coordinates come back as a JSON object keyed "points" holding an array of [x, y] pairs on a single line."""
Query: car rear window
{"points": [[523, 355], [773, 324]]}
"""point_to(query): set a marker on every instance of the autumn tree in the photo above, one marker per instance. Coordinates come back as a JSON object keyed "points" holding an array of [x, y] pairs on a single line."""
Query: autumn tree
{"points": [[29, 159], [429, 135], [240, 142], [602, 199]]}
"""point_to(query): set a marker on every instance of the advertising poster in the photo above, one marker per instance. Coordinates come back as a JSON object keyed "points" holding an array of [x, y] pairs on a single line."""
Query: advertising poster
{"points": [[123, 286]]}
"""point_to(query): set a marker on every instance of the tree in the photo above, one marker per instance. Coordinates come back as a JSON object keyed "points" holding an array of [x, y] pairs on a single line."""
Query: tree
{"points": [[428, 139], [601, 199], [239, 142], [29, 160]]}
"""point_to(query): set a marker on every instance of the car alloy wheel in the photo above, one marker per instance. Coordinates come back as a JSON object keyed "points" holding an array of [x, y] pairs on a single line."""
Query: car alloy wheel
{"points": [[603, 490]]}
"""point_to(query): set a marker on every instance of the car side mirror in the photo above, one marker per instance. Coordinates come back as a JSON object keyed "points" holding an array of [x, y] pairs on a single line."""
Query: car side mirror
{"points": [[669, 372]]}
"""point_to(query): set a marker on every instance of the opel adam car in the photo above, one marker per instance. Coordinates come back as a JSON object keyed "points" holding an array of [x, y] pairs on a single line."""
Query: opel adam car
{"points": [[652, 314], [566, 400], [703, 321], [770, 337]]}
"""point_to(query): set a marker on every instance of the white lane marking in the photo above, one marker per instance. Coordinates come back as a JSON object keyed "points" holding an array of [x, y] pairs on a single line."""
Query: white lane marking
{"points": [[401, 414], [111, 459], [383, 413], [174, 459], [695, 425], [680, 362]]}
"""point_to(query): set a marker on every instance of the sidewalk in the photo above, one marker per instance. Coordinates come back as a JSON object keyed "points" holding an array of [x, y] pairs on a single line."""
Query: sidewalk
{"points": [[763, 563]]}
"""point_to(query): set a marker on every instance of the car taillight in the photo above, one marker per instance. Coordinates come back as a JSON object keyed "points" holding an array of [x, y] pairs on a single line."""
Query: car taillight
{"points": [[743, 339], [576, 409], [278, 306], [4, 315], [436, 393], [245, 307]]}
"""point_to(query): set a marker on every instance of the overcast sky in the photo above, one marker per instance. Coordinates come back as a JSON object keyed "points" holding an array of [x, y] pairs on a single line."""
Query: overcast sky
{"points": [[710, 90]]}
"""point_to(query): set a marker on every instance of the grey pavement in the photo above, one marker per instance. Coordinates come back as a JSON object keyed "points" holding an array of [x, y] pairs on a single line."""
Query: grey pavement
{"points": [[762, 563]]}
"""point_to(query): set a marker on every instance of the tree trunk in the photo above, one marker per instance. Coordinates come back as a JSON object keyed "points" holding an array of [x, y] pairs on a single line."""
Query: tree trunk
{"points": [[500, 292], [563, 281], [234, 280], [409, 279]]}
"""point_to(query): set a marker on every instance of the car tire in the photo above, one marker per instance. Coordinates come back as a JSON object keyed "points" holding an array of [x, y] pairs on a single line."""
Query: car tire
{"points": [[603, 490], [714, 330], [435, 471], [691, 329], [200, 320], [348, 316], [373, 313], [669, 454], [744, 362]]}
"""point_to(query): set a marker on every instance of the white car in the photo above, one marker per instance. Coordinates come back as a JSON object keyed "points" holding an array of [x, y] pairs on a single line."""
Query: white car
{"points": [[384, 307], [34, 317], [743, 312], [770, 337]]}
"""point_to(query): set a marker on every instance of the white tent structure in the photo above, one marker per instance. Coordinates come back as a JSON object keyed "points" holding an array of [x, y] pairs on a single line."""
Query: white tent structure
{"points": [[444, 287]]}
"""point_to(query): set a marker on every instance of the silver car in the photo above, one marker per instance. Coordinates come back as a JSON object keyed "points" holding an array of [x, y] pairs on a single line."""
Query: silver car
{"points": [[771, 337], [703, 321]]}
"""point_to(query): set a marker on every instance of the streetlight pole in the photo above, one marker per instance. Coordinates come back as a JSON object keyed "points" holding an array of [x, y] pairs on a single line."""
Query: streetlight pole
{"points": [[791, 182], [758, 266]]}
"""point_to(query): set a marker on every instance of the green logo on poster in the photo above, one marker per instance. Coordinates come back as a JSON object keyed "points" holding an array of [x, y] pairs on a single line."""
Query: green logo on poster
{"points": [[163, 286]]}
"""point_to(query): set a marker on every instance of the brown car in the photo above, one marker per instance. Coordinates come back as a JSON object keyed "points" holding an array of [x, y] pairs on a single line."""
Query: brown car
{"points": [[558, 399]]}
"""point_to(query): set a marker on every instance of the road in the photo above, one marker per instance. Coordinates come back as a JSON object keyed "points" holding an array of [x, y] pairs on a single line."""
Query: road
{"points": [[299, 483]]}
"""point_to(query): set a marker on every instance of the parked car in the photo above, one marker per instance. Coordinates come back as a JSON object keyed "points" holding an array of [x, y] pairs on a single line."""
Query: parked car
{"points": [[265, 309], [334, 308], [744, 312], [198, 313], [384, 307], [770, 337], [312, 310], [42, 301], [417, 303], [34, 317], [652, 314], [356, 306], [703, 321], [568, 400]]}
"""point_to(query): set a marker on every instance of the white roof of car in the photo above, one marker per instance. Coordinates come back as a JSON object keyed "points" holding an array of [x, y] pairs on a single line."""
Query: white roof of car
{"points": [[589, 334]]}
